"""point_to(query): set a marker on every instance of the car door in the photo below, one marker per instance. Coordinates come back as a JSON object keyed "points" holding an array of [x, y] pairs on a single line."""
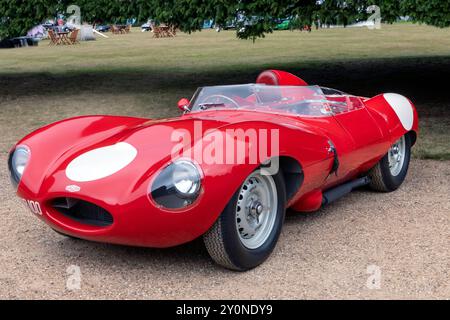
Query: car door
{"points": [[341, 144], [353, 134], [362, 130]]}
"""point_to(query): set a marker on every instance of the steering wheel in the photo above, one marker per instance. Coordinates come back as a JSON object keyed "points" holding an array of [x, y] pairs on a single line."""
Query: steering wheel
{"points": [[217, 98]]}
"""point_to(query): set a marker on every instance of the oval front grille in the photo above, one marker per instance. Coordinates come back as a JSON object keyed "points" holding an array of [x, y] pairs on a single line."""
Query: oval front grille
{"points": [[83, 211]]}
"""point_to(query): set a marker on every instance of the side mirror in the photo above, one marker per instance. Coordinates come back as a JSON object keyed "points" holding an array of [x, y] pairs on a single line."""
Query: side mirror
{"points": [[183, 104]]}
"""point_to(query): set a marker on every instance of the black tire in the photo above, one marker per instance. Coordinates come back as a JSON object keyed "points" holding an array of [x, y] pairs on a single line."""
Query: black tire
{"points": [[381, 177], [223, 242]]}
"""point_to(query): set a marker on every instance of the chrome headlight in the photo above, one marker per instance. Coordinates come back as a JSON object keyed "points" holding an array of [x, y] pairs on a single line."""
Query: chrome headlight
{"points": [[186, 178], [177, 186], [18, 161]]}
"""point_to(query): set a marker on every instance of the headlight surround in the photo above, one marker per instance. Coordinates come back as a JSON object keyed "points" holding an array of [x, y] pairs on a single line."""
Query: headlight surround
{"points": [[177, 186], [17, 163]]}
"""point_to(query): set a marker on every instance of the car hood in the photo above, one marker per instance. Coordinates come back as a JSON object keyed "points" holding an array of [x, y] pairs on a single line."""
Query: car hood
{"points": [[56, 146]]}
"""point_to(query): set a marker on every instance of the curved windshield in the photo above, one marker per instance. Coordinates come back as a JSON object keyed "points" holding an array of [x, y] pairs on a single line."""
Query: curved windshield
{"points": [[299, 100]]}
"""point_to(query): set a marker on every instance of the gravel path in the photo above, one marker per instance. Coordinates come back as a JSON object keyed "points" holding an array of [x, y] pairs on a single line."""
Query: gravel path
{"points": [[402, 237]]}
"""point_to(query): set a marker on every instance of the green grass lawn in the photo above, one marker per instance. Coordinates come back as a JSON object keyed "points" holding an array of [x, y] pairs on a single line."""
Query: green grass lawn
{"points": [[209, 50], [138, 75]]}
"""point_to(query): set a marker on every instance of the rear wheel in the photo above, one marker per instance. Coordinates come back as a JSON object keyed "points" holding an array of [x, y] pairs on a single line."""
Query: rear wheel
{"points": [[247, 231], [391, 171]]}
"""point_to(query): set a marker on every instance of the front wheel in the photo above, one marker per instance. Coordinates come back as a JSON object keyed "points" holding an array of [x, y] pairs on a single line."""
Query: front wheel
{"points": [[391, 171], [247, 231]]}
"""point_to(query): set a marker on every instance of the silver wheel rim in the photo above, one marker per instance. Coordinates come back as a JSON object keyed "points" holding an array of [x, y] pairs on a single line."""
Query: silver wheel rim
{"points": [[256, 210], [396, 156]]}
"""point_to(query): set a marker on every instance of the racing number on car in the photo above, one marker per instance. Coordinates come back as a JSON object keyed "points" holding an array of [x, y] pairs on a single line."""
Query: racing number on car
{"points": [[34, 206]]}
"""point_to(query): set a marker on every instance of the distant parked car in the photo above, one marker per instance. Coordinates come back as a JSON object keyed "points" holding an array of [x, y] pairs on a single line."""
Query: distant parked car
{"points": [[208, 24], [18, 42], [49, 24], [102, 28], [241, 22], [283, 24], [146, 27], [64, 28], [230, 25]]}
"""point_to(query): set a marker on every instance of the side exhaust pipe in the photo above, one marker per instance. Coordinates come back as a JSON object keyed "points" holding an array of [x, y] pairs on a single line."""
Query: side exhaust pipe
{"points": [[343, 189]]}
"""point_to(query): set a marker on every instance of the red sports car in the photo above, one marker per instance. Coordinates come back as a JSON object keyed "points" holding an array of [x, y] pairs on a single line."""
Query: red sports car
{"points": [[226, 169]]}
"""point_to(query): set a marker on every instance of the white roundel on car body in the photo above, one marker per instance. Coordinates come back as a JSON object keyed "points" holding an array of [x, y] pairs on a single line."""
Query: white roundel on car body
{"points": [[402, 108], [101, 162]]}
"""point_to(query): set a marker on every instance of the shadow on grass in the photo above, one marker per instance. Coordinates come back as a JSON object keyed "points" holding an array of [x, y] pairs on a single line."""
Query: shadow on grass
{"points": [[422, 79]]}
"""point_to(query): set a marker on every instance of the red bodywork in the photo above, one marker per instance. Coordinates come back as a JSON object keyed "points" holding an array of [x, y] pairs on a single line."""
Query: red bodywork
{"points": [[361, 137]]}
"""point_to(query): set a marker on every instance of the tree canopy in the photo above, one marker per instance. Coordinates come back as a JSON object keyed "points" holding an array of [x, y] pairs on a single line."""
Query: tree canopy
{"points": [[258, 17]]}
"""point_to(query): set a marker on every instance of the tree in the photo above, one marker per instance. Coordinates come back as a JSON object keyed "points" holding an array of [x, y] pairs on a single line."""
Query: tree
{"points": [[252, 18], [257, 17], [433, 12], [17, 16]]}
